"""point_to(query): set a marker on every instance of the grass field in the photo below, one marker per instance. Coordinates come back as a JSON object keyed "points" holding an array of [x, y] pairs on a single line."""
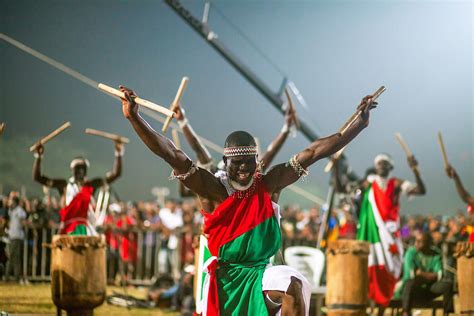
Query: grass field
{"points": [[36, 299]]}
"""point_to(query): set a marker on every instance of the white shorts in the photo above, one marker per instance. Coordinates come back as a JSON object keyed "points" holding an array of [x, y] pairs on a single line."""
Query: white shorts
{"points": [[278, 278]]}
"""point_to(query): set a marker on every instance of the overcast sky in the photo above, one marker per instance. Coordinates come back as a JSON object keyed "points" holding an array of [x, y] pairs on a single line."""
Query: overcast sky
{"points": [[336, 52]]}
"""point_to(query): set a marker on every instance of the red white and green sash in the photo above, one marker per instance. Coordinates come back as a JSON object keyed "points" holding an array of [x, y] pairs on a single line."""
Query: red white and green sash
{"points": [[243, 234], [74, 215], [379, 225]]}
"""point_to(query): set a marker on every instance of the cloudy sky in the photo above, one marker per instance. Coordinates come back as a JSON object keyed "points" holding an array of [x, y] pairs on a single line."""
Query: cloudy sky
{"points": [[336, 52]]}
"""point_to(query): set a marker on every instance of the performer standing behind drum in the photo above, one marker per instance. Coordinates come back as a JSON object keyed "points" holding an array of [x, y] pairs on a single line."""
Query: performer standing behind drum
{"points": [[379, 224], [77, 215], [243, 231]]}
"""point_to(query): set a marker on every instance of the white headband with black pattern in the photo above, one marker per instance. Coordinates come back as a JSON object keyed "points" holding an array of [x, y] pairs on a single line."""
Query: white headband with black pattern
{"points": [[79, 161], [240, 151]]}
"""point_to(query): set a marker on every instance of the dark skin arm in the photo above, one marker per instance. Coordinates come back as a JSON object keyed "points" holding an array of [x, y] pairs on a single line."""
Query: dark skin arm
{"points": [[277, 143], [203, 155], [116, 171], [465, 196], [425, 276], [38, 176], [200, 182], [282, 175], [419, 189]]}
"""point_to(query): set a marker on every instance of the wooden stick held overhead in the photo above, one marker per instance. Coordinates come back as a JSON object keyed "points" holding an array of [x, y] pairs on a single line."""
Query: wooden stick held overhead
{"points": [[404, 145], [443, 150], [292, 108], [346, 126], [175, 104], [52, 135], [356, 115], [140, 101], [175, 136], [111, 136]]}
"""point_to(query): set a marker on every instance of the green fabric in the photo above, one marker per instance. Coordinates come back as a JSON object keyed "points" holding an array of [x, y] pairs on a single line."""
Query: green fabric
{"points": [[79, 230], [415, 260], [367, 228], [241, 267]]}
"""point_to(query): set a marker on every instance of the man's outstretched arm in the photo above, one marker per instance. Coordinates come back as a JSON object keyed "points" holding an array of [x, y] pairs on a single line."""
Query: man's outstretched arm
{"points": [[198, 180], [283, 175], [39, 177], [419, 188], [203, 155], [465, 196], [277, 143], [116, 171]]}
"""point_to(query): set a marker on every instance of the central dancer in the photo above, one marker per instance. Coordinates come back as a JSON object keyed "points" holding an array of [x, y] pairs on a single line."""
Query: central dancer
{"points": [[243, 230]]}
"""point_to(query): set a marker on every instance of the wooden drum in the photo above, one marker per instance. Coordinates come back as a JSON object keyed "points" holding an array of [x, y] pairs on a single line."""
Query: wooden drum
{"points": [[465, 274], [347, 277], [78, 274]]}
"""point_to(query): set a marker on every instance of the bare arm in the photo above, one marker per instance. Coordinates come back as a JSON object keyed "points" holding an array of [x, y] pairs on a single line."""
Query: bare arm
{"points": [[283, 175], [277, 143], [203, 155], [116, 171], [465, 196], [39, 177], [199, 181], [419, 189]]}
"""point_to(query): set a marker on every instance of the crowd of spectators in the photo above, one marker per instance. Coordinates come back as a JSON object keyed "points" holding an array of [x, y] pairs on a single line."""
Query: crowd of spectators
{"points": [[167, 235]]}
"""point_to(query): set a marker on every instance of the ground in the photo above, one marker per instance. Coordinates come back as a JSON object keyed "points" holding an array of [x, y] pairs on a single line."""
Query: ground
{"points": [[36, 299]]}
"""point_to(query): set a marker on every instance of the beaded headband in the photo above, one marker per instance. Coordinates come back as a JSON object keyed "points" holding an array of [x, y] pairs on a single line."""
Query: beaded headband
{"points": [[79, 161], [240, 151]]}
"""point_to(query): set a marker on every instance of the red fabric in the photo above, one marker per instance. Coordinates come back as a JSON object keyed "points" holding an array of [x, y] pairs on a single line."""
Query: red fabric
{"points": [[386, 201], [212, 302], [470, 209], [76, 212], [231, 219], [381, 285], [110, 236], [128, 241], [235, 216]]}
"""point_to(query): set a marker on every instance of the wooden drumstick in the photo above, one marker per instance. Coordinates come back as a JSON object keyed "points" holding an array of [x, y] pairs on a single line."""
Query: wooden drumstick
{"points": [[175, 104], [404, 145], [292, 109], [148, 104], [443, 150], [53, 134], [356, 115], [111, 136], [2, 128], [346, 126], [175, 136]]}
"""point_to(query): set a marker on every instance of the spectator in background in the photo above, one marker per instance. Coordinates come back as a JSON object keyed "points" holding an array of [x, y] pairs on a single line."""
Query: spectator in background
{"points": [[16, 235], [3, 238], [422, 274], [171, 220], [111, 237], [151, 226], [126, 225]]}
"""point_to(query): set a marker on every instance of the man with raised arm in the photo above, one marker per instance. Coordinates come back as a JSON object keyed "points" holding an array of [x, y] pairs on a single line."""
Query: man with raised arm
{"points": [[243, 230], [379, 224], [77, 213], [204, 158]]}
